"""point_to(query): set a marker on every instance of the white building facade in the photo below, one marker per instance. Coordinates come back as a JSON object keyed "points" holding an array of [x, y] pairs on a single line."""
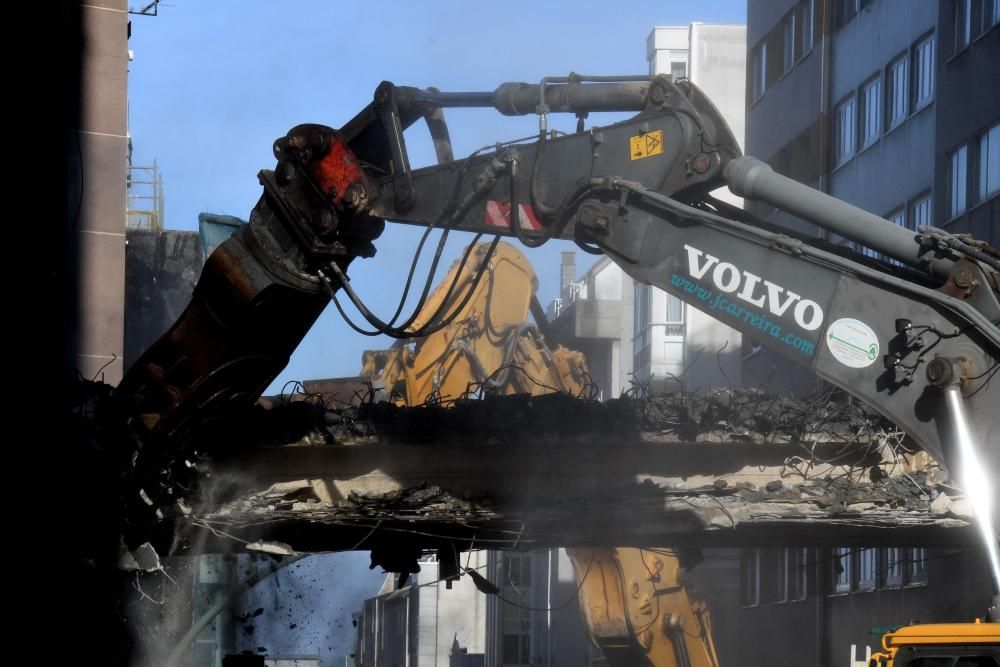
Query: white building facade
{"points": [[425, 623], [535, 620], [635, 335], [675, 346]]}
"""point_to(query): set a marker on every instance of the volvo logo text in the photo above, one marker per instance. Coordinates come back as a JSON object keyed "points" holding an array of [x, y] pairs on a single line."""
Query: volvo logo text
{"points": [[753, 289]]}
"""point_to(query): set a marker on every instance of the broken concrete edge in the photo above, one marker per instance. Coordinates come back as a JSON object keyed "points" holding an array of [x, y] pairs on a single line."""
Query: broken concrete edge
{"points": [[918, 487], [539, 473], [641, 516], [842, 493], [722, 416], [790, 434], [697, 524]]}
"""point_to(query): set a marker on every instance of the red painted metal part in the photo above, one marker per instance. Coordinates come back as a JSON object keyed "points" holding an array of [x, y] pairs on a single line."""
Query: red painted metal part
{"points": [[337, 171]]}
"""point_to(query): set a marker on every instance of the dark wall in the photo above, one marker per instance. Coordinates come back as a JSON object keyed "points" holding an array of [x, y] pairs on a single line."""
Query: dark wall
{"points": [[821, 628], [161, 269], [75, 548], [899, 165], [786, 128], [790, 125], [793, 146], [716, 580], [98, 156], [968, 102]]}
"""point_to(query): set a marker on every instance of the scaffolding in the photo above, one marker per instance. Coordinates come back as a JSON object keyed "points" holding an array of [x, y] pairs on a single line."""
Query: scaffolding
{"points": [[145, 202]]}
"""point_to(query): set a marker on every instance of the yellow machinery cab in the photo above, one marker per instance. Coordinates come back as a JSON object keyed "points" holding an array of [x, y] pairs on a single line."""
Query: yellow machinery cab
{"points": [[941, 645]]}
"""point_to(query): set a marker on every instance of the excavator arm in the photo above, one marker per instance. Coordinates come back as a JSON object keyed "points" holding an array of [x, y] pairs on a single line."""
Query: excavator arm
{"points": [[640, 609], [896, 336], [916, 338]]}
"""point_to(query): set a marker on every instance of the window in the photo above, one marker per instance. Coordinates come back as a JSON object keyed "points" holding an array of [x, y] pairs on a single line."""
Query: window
{"points": [[863, 570], [920, 212], [750, 577], [983, 16], [896, 91], [957, 178], [897, 217], [789, 30], [517, 570], [845, 131], [674, 311], [963, 24], [781, 579], [991, 14], [923, 72], [642, 317], [678, 63], [866, 251], [673, 329], [516, 649], [844, 11], [808, 17], [989, 163], [871, 112], [917, 567], [841, 570], [866, 570], [798, 572], [892, 566], [759, 70]]}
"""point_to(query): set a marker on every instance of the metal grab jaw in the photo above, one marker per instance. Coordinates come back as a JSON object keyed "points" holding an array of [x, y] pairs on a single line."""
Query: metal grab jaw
{"points": [[947, 373]]}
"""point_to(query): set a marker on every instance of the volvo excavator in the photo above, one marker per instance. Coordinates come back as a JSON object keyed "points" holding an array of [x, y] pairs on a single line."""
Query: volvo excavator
{"points": [[915, 334]]}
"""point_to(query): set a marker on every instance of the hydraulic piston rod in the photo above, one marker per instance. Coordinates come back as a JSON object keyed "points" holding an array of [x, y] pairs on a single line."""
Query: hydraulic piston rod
{"points": [[560, 94], [753, 179]]}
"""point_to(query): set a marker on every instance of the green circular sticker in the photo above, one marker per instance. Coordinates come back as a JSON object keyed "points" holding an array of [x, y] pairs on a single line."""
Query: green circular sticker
{"points": [[852, 343]]}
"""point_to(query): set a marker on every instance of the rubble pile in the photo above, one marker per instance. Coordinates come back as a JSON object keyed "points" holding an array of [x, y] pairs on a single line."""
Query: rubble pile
{"points": [[751, 415]]}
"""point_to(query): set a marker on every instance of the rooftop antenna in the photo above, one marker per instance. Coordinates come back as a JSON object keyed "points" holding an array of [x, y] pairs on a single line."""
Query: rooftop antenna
{"points": [[149, 10]]}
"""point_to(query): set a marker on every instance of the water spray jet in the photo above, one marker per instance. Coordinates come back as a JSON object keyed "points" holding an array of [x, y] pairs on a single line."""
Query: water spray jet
{"points": [[971, 472]]}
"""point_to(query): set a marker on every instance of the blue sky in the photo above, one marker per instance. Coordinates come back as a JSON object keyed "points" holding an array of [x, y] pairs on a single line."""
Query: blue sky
{"points": [[213, 84]]}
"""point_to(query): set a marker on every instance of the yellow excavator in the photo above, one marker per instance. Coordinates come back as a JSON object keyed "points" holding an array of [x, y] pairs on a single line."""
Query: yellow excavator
{"points": [[640, 610], [940, 645], [636, 603], [490, 347]]}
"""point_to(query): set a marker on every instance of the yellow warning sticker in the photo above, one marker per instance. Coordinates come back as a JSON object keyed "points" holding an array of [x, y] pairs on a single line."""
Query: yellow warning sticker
{"points": [[646, 145]]}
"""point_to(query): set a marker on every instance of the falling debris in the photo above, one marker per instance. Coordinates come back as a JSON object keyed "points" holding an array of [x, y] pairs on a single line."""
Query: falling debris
{"points": [[143, 558], [275, 548]]}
